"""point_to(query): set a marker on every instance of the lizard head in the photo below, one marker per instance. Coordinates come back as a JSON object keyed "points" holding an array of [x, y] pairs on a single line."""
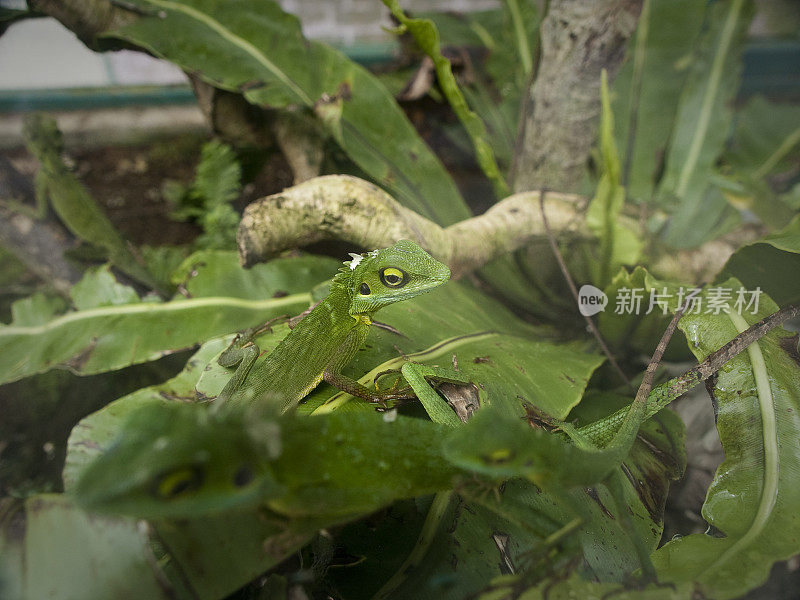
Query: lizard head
{"points": [[396, 273], [175, 460]]}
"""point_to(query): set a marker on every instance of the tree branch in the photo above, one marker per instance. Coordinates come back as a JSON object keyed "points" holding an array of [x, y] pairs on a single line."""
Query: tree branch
{"points": [[349, 209], [578, 40]]}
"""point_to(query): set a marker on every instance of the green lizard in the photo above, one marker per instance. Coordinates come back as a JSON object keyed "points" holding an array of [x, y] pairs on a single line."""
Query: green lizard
{"points": [[327, 339], [176, 460], [185, 460]]}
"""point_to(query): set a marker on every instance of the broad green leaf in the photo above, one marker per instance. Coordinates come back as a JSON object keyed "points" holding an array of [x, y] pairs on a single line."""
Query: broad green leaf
{"points": [[510, 371], [751, 504], [212, 564], [218, 273], [96, 431], [221, 553], [216, 555], [771, 264], [52, 549], [421, 324], [647, 89], [110, 337], [576, 587], [702, 122], [256, 49]]}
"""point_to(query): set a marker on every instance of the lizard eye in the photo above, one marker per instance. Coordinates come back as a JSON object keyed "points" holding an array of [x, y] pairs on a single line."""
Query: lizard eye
{"points": [[393, 277], [364, 289], [243, 476], [180, 481]]}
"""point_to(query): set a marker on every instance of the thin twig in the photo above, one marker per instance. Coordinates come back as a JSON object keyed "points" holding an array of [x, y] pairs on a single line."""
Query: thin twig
{"points": [[647, 381], [714, 361], [563, 266]]}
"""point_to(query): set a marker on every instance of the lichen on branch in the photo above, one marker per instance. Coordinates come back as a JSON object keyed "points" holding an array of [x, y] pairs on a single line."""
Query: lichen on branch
{"points": [[345, 208]]}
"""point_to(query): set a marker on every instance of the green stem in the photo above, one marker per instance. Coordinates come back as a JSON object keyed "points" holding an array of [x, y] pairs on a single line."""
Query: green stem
{"points": [[427, 37]]}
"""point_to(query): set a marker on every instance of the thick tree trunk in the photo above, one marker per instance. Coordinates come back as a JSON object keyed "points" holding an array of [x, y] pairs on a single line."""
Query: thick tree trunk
{"points": [[578, 40]]}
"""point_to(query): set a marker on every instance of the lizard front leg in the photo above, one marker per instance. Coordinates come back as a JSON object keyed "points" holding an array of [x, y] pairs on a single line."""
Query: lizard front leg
{"points": [[243, 352], [333, 375]]}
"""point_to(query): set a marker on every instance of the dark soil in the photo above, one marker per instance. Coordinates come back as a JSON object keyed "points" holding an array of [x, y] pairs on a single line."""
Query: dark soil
{"points": [[127, 182]]}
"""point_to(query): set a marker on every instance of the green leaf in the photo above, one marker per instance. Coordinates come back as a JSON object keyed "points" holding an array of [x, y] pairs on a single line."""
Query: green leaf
{"points": [[215, 554], [110, 337], [52, 549], [771, 264], [751, 502], [647, 89], [511, 371], [576, 587], [35, 310], [702, 122], [766, 134], [420, 321], [256, 49], [217, 272], [98, 287], [220, 553]]}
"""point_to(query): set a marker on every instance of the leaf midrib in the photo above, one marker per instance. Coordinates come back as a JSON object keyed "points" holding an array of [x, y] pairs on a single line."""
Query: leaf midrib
{"points": [[769, 425], [144, 307], [707, 105]]}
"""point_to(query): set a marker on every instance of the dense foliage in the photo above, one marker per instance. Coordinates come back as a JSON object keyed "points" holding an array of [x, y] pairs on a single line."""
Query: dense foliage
{"points": [[680, 165]]}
